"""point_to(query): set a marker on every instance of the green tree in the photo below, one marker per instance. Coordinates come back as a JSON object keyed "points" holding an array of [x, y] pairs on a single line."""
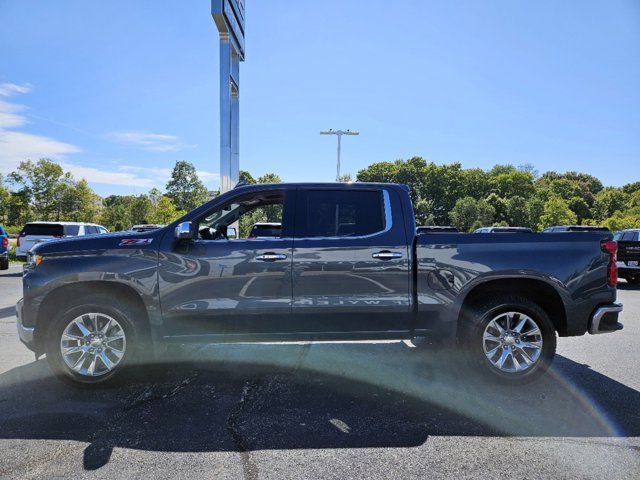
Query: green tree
{"points": [[184, 188], [79, 203], [42, 185], [464, 214], [581, 208], [631, 188], [246, 177], [499, 205], [269, 178], [476, 183], [608, 201], [634, 199], [517, 212], [534, 210], [378, 172], [5, 197], [486, 213], [423, 210], [116, 214], [142, 209], [165, 212], [512, 183], [556, 212]]}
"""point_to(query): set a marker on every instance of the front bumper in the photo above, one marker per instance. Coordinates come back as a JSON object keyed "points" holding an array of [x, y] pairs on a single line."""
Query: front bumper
{"points": [[25, 333], [605, 319]]}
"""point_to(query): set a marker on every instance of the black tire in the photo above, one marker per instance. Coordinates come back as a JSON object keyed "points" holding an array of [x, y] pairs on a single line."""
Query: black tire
{"points": [[633, 280], [478, 318], [122, 312], [4, 264]]}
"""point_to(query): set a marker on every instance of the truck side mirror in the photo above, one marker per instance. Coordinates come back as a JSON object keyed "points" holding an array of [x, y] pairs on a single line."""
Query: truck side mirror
{"points": [[183, 231]]}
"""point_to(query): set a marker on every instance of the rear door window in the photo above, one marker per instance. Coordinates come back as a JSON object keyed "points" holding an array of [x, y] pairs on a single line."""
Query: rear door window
{"points": [[341, 213], [265, 231], [43, 229], [71, 230], [90, 230]]}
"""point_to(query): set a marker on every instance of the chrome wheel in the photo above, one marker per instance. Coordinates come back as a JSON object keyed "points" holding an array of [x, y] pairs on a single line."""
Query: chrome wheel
{"points": [[93, 344], [512, 342]]}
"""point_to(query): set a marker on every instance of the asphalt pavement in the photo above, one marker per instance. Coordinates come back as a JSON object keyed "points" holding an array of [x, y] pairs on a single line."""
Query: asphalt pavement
{"points": [[376, 411]]}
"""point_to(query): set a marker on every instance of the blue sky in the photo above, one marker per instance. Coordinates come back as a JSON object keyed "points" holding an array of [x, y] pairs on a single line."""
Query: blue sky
{"points": [[118, 91]]}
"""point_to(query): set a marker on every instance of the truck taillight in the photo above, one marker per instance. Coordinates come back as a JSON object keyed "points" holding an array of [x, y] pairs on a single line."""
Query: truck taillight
{"points": [[18, 241], [611, 247], [5, 242]]}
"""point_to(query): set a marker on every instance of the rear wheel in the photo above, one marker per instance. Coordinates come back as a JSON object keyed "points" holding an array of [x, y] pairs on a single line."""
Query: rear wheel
{"points": [[4, 264], [92, 343], [511, 339]]}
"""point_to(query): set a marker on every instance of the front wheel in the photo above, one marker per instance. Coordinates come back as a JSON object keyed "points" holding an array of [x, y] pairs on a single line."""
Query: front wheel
{"points": [[91, 343], [511, 339]]}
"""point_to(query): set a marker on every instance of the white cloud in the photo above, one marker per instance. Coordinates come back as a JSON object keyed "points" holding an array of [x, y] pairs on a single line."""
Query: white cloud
{"points": [[129, 175], [8, 89], [9, 115], [153, 142], [19, 146], [95, 175]]}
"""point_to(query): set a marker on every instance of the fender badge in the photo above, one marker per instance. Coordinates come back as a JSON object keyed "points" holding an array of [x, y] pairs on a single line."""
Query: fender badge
{"points": [[135, 241]]}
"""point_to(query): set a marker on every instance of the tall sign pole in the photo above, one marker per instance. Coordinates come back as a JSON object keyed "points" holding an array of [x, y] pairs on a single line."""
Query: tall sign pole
{"points": [[339, 134], [229, 18]]}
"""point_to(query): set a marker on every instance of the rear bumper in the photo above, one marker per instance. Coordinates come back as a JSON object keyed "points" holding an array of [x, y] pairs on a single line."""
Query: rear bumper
{"points": [[604, 319], [25, 333], [4, 255]]}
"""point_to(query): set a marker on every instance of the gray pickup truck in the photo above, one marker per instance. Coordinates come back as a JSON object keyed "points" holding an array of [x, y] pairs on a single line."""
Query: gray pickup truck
{"points": [[347, 264]]}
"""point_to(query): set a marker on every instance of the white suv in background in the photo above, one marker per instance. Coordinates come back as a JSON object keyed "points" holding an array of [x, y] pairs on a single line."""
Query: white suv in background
{"points": [[36, 232]]}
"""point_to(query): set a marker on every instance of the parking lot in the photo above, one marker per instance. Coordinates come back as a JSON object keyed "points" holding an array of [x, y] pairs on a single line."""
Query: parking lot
{"points": [[384, 410]]}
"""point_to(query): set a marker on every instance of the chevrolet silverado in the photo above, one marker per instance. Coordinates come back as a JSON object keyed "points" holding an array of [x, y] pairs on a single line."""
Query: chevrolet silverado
{"points": [[346, 264]]}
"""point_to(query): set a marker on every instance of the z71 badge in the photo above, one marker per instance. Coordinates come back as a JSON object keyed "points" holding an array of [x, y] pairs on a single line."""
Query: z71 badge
{"points": [[127, 242]]}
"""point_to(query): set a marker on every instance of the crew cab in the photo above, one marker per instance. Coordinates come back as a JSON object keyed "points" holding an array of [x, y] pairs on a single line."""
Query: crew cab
{"points": [[629, 255], [346, 265]]}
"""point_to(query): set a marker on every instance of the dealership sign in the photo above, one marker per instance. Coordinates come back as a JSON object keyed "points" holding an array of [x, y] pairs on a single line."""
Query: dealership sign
{"points": [[229, 18]]}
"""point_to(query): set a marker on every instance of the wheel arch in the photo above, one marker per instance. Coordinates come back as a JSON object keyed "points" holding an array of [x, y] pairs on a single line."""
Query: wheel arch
{"points": [[67, 295], [534, 289]]}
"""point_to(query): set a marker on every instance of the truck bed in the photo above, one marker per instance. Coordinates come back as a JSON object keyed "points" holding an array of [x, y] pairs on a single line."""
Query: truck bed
{"points": [[450, 266]]}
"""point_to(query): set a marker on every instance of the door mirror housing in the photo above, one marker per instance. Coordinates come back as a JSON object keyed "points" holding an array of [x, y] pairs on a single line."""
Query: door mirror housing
{"points": [[183, 231]]}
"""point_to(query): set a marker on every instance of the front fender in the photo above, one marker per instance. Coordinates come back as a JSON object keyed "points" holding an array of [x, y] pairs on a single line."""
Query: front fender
{"points": [[133, 268]]}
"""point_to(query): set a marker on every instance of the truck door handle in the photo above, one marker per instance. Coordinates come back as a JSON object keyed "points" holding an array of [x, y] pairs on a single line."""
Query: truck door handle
{"points": [[271, 257], [386, 255]]}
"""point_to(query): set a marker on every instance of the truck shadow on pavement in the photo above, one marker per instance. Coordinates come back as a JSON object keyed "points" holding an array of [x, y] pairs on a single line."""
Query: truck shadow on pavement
{"points": [[247, 398]]}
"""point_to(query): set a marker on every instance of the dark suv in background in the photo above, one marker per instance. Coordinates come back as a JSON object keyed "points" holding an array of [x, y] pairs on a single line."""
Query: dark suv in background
{"points": [[629, 255], [575, 228], [4, 249]]}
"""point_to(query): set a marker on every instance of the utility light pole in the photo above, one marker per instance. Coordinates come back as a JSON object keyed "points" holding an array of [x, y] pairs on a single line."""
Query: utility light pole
{"points": [[339, 134]]}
